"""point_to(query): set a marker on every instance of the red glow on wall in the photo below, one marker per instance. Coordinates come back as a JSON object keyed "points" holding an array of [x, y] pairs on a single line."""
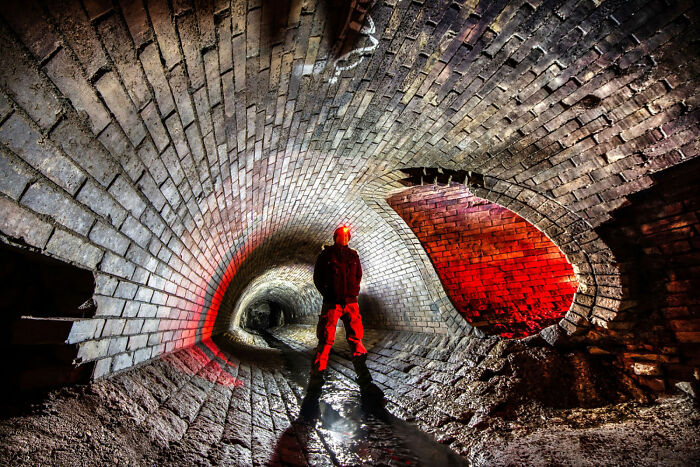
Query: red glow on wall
{"points": [[207, 310], [504, 276], [206, 361]]}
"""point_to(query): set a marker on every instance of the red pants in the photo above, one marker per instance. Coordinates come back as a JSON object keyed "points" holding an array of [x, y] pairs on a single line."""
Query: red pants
{"points": [[325, 331]]}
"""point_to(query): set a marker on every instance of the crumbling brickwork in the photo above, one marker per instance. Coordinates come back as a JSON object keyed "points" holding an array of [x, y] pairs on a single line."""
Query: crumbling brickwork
{"points": [[655, 239]]}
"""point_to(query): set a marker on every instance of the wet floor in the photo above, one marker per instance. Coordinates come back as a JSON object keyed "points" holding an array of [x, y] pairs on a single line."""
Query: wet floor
{"points": [[353, 429], [218, 403]]}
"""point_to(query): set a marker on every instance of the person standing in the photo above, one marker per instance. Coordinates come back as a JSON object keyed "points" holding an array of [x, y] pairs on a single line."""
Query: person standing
{"points": [[337, 276]]}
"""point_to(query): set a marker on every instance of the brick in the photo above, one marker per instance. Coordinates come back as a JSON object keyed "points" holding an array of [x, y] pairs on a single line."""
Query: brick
{"points": [[85, 151], [156, 168], [28, 21], [121, 51], [119, 103], [165, 32], [128, 197], [83, 330], [121, 361], [41, 198], [142, 355], [25, 85], [102, 368], [211, 65], [72, 248], [126, 290], [154, 71], [101, 203], [137, 342], [136, 231], [13, 179], [155, 127], [5, 108], [113, 327], [68, 78], [117, 266], [137, 21], [190, 40], [117, 345], [179, 86], [92, 350], [150, 325], [80, 35], [28, 144]]}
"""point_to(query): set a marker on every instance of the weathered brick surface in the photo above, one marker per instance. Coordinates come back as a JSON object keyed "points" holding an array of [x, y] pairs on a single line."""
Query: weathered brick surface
{"points": [[503, 275], [660, 321], [208, 147], [210, 405]]}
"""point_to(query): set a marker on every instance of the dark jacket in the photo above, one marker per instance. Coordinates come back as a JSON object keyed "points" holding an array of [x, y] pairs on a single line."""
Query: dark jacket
{"points": [[337, 274]]}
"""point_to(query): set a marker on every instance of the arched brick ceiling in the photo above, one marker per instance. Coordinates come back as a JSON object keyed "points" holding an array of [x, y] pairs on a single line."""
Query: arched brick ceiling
{"points": [[162, 144]]}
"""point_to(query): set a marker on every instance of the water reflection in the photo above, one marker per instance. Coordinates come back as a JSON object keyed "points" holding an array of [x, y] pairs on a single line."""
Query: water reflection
{"points": [[343, 427]]}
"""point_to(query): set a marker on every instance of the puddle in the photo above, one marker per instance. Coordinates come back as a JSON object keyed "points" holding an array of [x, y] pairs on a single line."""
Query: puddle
{"points": [[354, 430]]}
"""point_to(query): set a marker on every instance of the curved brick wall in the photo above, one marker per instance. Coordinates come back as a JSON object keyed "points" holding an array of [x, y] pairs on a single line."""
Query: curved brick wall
{"points": [[503, 275], [179, 150]]}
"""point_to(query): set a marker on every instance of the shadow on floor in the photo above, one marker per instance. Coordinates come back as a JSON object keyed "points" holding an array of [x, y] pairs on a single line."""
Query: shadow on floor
{"points": [[353, 429]]}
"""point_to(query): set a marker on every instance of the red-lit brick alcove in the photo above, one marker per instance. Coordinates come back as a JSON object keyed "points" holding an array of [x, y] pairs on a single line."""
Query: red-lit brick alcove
{"points": [[502, 274]]}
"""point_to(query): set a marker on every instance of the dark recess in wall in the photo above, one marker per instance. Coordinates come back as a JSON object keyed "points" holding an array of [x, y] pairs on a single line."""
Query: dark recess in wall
{"points": [[656, 240], [41, 299]]}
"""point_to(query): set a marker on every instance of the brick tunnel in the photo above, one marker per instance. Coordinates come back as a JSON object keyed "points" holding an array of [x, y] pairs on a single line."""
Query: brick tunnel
{"points": [[520, 182]]}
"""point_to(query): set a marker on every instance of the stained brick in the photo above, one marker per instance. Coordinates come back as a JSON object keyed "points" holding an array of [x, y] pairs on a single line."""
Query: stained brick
{"points": [[137, 21], [17, 222], [13, 179], [25, 85], [74, 249], [123, 54], [84, 150], [118, 102], [80, 35], [68, 77], [41, 198]]}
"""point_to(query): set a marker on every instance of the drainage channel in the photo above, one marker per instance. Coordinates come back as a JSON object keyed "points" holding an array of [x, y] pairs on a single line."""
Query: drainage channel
{"points": [[354, 430]]}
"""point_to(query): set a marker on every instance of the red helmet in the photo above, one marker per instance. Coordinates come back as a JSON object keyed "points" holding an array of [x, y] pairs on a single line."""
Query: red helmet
{"points": [[342, 228]]}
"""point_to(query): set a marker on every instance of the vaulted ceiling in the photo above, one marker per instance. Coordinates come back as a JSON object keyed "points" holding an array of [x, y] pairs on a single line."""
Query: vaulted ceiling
{"points": [[183, 149]]}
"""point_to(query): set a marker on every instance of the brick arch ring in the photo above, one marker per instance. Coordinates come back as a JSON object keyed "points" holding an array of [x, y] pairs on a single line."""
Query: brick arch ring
{"points": [[599, 296]]}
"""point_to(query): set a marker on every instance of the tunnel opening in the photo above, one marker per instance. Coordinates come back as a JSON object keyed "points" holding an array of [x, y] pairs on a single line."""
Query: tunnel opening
{"points": [[263, 315], [503, 275]]}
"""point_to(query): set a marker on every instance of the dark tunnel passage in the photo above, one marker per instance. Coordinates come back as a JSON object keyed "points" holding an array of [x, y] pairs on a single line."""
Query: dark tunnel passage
{"points": [[264, 315], [519, 180]]}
